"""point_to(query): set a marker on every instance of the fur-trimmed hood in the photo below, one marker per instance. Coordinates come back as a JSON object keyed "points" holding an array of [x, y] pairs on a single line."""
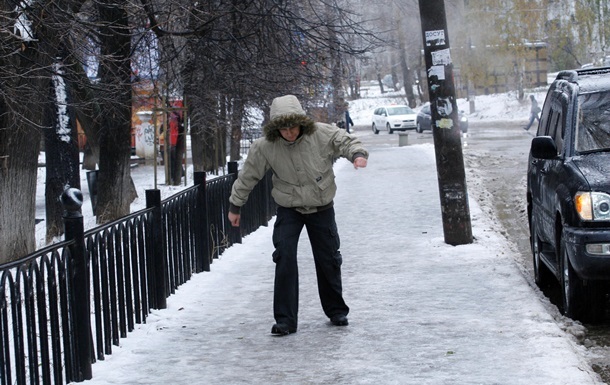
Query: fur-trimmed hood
{"points": [[286, 111]]}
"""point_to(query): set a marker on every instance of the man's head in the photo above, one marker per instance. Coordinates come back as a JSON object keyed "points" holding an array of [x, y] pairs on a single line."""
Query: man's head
{"points": [[290, 133], [287, 114]]}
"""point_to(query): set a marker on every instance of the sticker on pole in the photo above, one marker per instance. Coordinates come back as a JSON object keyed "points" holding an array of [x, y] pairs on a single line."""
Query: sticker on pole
{"points": [[444, 123], [441, 57], [435, 38], [438, 71]]}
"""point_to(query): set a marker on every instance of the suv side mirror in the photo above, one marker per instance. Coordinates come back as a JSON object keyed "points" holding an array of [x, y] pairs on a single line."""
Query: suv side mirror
{"points": [[543, 147]]}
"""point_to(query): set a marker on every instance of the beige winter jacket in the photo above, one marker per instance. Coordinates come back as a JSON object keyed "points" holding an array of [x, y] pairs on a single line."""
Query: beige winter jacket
{"points": [[303, 176]]}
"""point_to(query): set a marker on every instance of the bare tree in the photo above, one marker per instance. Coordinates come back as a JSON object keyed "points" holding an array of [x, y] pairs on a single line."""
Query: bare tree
{"points": [[273, 48], [61, 153], [222, 58], [28, 45], [115, 187]]}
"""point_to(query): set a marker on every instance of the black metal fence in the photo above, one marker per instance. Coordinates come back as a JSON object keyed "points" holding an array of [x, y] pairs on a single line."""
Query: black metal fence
{"points": [[65, 306], [247, 138]]}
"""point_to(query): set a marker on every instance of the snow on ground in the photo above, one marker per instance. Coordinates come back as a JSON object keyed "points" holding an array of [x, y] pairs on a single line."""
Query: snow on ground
{"points": [[423, 312]]}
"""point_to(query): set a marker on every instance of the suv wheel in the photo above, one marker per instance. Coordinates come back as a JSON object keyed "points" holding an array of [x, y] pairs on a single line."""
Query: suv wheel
{"points": [[375, 130], [580, 302], [542, 275], [387, 126], [570, 292], [418, 128]]}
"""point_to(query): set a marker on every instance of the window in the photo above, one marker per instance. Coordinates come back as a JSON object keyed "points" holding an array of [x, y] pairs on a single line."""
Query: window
{"points": [[593, 125]]}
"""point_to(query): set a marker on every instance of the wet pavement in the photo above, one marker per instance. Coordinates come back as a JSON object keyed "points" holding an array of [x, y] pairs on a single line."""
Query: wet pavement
{"points": [[419, 314]]}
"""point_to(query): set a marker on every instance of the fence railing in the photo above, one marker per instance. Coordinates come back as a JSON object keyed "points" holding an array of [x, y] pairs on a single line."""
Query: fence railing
{"points": [[65, 306]]}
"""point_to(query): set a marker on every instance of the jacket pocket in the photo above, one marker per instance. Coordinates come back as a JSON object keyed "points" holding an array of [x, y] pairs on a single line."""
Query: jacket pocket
{"points": [[327, 180], [334, 237], [334, 233]]}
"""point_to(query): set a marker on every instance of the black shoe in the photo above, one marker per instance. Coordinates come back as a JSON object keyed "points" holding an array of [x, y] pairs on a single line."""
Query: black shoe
{"points": [[526, 129], [282, 330], [339, 320]]}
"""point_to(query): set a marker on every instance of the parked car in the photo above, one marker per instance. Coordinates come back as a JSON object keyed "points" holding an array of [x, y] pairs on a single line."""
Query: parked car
{"points": [[393, 118], [424, 119], [568, 191]]}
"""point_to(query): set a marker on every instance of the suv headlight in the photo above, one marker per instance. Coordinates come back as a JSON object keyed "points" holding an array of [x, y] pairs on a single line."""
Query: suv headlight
{"points": [[592, 206]]}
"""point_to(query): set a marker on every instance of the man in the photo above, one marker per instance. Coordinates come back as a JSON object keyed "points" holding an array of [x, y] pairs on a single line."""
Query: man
{"points": [[300, 154], [348, 120], [534, 110]]}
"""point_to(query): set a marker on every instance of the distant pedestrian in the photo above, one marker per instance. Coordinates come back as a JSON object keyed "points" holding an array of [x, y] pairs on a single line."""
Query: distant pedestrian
{"points": [[348, 120], [534, 111], [301, 153]]}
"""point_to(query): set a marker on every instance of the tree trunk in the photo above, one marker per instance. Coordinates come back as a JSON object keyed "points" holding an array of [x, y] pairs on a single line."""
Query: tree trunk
{"points": [[380, 82], [237, 116], [406, 72], [221, 135], [115, 187], [335, 113], [19, 149], [61, 153], [203, 110], [394, 77], [24, 64], [197, 136], [177, 153], [335, 108], [86, 110]]}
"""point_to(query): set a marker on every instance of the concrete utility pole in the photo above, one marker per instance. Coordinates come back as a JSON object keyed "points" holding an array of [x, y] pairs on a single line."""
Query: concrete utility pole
{"points": [[445, 126]]}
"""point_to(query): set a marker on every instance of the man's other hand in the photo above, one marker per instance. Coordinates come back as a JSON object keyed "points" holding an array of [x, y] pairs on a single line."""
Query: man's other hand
{"points": [[234, 219]]}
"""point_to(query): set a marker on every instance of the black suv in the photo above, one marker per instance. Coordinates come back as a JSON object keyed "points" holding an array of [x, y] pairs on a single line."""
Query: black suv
{"points": [[568, 191]]}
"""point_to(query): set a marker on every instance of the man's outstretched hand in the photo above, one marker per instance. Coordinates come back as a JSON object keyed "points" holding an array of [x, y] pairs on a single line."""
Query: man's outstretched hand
{"points": [[360, 162]]}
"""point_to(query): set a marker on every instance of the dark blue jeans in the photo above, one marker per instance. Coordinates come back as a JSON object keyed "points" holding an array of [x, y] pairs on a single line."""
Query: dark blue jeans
{"points": [[533, 117], [322, 231]]}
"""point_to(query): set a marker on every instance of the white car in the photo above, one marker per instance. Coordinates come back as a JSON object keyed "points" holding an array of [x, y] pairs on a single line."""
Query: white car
{"points": [[394, 118]]}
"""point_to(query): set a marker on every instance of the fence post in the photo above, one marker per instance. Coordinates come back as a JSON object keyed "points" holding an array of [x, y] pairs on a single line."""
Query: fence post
{"points": [[202, 224], [72, 200], [232, 168], [156, 261], [235, 232]]}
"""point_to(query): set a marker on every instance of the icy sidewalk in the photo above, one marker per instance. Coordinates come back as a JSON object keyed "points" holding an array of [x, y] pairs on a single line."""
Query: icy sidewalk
{"points": [[422, 311]]}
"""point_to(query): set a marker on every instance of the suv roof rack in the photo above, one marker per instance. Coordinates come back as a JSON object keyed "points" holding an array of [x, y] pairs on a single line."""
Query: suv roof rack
{"points": [[572, 75], [593, 71]]}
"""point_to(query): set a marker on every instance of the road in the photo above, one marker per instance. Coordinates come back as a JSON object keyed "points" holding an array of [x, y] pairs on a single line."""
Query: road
{"points": [[496, 156]]}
